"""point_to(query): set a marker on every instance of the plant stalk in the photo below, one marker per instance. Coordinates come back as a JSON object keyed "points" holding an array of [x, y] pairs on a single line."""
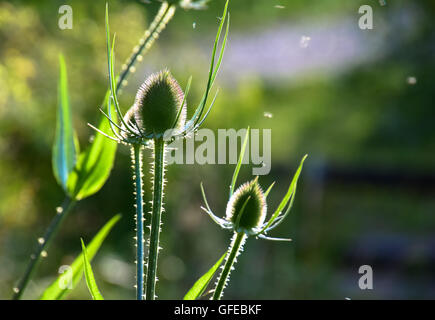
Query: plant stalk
{"points": [[140, 261], [233, 251], [159, 167], [160, 21], [43, 244], [163, 16]]}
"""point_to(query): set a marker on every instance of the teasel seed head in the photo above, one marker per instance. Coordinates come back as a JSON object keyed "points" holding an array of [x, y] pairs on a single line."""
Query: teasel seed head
{"points": [[129, 119], [247, 208], [157, 104]]}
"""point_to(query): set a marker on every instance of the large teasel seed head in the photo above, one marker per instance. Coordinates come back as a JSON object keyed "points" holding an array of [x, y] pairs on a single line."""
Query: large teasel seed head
{"points": [[157, 103], [247, 208]]}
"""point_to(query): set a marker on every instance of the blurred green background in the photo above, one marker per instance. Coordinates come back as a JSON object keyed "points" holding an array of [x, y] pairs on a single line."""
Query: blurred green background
{"points": [[359, 102]]}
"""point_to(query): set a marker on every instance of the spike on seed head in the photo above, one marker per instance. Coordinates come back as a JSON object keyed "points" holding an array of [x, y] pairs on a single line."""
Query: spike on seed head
{"points": [[247, 207], [157, 103]]}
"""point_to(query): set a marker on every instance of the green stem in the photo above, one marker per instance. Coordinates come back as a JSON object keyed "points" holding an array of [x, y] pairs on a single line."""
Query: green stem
{"points": [[233, 251], [137, 163], [43, 244], [160, 21], [159, 168]]}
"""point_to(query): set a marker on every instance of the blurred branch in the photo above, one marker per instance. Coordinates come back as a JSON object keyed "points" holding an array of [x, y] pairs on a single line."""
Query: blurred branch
{"points": [[43, 243]]}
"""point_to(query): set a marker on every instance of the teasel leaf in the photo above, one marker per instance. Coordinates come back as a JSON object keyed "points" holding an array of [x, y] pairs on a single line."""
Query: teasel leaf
{"points": [[288, 199], [202, 283], [89, 275], [59, 289], [214, 68], [239, 163], [65, 145], [94, 164]]}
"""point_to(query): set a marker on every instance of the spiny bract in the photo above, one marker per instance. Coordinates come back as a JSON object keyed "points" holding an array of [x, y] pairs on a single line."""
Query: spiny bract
{"points": [[157, 104], [247, 208]]}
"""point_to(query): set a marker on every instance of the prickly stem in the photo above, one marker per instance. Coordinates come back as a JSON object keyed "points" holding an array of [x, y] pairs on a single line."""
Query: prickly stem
{"points": [[159, 167], [43, 245], [233, 251], [140, 261], [165, 14]]}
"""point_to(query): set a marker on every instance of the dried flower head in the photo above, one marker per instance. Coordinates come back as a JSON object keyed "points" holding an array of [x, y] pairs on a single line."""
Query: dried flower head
{"points": [[245, 216], [247, 207], [159, 110], [157, 105]]}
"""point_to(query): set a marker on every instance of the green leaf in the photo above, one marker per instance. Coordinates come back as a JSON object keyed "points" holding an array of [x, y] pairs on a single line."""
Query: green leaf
{"points": [[239, 163], [89, 275], [213, 68], [59, 288], [201, 284], [268, 190], [65, 144], [289, 196], [186, 92], [94, 164], [111, 67]]}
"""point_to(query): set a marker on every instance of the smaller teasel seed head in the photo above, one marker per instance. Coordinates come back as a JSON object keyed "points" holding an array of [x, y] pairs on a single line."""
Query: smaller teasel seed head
{"points": [[247, 208], [129, 119], [157, 104]]}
